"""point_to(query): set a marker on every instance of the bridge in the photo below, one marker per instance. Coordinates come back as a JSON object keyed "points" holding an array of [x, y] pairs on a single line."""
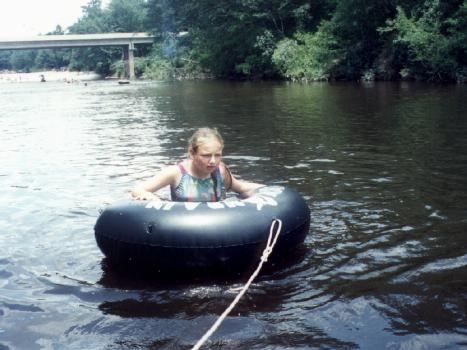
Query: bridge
{"points": [[125, 40]]}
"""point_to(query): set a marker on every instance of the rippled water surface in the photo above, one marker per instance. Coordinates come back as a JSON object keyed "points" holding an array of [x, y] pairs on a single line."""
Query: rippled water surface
{"points": [[383, 168]]}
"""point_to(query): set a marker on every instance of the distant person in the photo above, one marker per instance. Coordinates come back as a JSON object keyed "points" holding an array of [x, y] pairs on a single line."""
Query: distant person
{"points": [[42, 78], [202, 177]]}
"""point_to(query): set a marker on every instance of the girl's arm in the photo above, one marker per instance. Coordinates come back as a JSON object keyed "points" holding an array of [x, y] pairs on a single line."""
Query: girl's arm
{"points": [[244, 188], [144, 190]]}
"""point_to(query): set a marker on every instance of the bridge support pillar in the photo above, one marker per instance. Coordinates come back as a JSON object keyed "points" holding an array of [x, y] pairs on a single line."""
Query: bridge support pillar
{"points": [[129, 61]]}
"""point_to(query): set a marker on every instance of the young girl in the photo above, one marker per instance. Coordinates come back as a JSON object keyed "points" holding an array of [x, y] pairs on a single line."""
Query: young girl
{"points": [[201, 177]]}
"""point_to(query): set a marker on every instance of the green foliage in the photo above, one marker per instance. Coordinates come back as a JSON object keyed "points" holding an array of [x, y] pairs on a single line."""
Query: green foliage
{"points": [[158, 66], [52, 58], [310, 56], [233, 38], [159, 69], [94, 59], [294, 39], [428, 49], [354, 28], [375, 40], [120, 16], [154, 66], [166, 17], [141, 67], [126, 16], [92, 21], [258, 62], [22, 60], [36, 59], [5, 60], [457, 29], [118, 68]]}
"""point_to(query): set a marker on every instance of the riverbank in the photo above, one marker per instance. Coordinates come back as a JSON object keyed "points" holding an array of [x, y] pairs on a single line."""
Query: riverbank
{"points": [[65, 76]]}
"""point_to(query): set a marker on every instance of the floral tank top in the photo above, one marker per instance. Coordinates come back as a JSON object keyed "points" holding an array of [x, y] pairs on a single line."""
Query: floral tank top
{"points": [[194, 189]]}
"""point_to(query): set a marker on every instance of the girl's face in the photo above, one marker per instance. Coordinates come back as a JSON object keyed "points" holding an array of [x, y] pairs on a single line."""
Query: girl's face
{"points": [[207, 157]]}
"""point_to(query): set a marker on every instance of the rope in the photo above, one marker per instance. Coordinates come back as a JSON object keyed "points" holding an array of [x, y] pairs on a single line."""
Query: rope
{"points": [[272, 239]]}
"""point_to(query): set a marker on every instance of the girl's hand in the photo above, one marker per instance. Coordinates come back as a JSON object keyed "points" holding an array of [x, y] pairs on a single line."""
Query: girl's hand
{"points": [[145, 196]]}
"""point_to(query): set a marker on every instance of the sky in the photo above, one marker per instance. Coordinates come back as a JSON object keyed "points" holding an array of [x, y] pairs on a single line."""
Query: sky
{"points": [[24, 18]]}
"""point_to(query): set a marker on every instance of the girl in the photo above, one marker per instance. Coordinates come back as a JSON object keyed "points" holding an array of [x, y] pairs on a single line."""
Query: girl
{"points": [[201, 177]]}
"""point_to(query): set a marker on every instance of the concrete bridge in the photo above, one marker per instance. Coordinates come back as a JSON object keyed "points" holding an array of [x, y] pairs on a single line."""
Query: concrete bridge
{"points": [[125, 40]]}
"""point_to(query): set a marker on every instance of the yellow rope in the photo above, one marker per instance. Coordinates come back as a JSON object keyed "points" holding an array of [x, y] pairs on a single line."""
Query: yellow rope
{"points": [[272, 239]]}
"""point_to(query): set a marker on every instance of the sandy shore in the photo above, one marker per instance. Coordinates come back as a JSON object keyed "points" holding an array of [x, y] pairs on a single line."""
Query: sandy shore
{"points": [[65, 76]]}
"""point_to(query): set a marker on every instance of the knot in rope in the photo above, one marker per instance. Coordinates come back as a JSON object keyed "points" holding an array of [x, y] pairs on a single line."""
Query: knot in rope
{"points": [[272, 239]]}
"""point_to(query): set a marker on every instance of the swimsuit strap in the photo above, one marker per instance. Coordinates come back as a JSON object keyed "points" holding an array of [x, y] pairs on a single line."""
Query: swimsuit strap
{"points": [[182, 168], [215, 176]]}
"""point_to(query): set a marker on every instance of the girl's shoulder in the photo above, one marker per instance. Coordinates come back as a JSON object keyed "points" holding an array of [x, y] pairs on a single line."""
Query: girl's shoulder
{"points": [[184, 166], [170, 174], [223, 169], [181, 166], [174, 169], [226, 176]]}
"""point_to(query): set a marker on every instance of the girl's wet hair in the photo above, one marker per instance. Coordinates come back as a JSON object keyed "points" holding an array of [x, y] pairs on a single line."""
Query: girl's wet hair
{"points": [[203, 133]]}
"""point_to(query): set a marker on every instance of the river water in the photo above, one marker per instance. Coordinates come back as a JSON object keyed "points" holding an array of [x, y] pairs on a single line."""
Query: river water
{"points": [[383, 168]]}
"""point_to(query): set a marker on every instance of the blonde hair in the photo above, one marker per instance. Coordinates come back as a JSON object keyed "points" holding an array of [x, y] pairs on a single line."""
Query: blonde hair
{"points": [[198, 138]]}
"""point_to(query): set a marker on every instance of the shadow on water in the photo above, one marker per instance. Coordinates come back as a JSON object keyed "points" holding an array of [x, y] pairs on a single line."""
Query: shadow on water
{"points": [[172, 298], [115, 275], [136, 278]]}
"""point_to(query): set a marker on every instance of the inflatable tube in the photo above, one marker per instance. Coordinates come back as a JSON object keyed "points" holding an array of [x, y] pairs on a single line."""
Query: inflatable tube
{"points": [[180, 236]]}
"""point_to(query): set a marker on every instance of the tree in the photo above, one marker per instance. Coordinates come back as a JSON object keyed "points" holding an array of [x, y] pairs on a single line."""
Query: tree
{"points": [[5, 60], [234, 38], [126, 15], [53, 58], [456, 26], [22, 60], [309, 56], [355, 26], [93, 20], [431, 41]]}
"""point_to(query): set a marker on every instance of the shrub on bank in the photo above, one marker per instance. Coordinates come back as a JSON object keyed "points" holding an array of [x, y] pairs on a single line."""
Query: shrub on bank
{"points": [[308, 56]]}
